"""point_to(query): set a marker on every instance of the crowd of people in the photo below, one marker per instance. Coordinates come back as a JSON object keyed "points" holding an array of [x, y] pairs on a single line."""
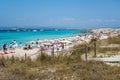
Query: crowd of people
{"points": [[8, 48], [52, 45]]}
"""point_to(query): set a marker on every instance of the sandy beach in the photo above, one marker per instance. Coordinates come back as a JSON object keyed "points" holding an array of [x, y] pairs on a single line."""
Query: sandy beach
{"points": [[62, 43]]}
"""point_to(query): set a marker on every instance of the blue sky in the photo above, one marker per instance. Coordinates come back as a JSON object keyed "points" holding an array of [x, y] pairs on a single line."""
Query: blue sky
{"points": [[71, 13]]}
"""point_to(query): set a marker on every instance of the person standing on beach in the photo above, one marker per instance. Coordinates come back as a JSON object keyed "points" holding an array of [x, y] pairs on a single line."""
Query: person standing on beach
{"points": [[14, 44], [62, 45], [37, 43], [110, 34], [52, 50], [57, 46], [5, 47]]}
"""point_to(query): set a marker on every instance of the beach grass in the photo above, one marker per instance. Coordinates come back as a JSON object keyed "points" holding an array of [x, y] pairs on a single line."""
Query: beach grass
{"points": [[60, 67], [106, 46]]}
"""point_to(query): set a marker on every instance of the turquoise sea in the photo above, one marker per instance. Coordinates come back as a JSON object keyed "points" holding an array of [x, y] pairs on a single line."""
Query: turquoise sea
{"points": [[6, 36]]}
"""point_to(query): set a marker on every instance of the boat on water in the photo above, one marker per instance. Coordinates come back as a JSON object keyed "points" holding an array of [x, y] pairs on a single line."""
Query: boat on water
{"points": [[34, 30]]}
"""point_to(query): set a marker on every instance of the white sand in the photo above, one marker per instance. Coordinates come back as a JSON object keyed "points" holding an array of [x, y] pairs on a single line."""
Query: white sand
{"points": [[21, 53], [115, 58], [82, 39]]}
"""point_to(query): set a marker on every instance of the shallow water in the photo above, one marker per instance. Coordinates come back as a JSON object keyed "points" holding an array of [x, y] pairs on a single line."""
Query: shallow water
{"points": [[28, 35]]}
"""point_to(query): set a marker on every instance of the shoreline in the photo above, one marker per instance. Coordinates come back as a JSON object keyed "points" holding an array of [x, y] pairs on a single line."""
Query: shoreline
{"points": [[68, 42], [33, 35]]}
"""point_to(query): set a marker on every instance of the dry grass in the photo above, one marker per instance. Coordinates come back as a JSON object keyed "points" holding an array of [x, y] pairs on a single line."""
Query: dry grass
{"points": [[61, 67], [106, 43]]}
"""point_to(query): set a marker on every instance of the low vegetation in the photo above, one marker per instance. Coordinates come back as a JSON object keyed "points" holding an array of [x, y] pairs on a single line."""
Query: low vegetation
{"points": [[107, 46], [60, 67]]}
